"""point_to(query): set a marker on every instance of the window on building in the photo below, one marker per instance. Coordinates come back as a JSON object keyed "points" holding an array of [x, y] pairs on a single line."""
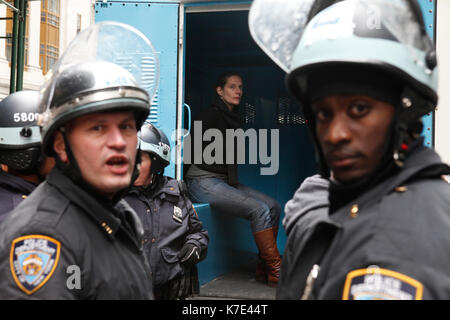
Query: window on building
{"points": [[52, 55], [53, 19], [9, 30], [50, 25], [8, 46], [53, 6]]}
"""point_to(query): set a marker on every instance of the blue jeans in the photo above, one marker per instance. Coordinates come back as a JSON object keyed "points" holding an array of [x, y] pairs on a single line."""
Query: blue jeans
{"points": [[241, 201]]}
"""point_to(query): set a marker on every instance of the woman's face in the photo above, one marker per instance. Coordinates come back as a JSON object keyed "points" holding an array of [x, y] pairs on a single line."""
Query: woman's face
{"points": [[231, 92]]}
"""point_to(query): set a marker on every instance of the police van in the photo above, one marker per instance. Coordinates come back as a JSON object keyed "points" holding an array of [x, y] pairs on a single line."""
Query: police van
{"points": [[196, 41]]}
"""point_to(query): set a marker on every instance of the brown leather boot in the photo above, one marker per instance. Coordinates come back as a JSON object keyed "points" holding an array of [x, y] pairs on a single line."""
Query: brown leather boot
{"points": [[275, 232], [261, 270], [267, 245]]}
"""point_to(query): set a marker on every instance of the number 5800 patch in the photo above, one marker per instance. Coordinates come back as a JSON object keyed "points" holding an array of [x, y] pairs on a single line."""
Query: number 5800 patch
{"points": [[25, 116]]}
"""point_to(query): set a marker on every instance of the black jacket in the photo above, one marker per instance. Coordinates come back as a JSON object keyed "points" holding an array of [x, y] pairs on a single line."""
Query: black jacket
{"points": [[218, 116], [393, 241], [12, 192], [167, 229], [62, 243]]}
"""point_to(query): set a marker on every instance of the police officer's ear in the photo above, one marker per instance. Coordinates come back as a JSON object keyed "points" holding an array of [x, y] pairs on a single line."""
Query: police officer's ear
{"points": [[59, 146]]}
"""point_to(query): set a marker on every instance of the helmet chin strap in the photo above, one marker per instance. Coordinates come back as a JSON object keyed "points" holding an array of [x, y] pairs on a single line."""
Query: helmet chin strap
{"points": [[71, 169], [408, 124]]}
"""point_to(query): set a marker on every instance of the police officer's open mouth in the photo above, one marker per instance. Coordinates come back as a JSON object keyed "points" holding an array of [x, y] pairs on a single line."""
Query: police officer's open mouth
{"points": [[117, 161]]}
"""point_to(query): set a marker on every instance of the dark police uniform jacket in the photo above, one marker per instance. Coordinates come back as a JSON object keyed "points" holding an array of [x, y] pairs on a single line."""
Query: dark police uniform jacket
{"points": [[392, 242], [12, 192], [62, 243], [169, 221]]}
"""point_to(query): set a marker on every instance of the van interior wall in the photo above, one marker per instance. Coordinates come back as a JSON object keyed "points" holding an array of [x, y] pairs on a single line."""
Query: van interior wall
{"points": [[220, 41]]}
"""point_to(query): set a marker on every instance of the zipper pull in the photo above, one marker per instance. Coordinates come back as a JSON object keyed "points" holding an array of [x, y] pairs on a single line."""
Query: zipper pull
{"points": [[310, 281]]}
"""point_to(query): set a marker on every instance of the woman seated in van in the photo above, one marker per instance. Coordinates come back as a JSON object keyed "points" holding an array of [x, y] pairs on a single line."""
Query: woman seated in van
{"points": [[218, 185], [174, 239]]}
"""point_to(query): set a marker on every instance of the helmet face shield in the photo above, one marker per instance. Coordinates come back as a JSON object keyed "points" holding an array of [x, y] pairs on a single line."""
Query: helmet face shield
{"points": [[277, 27], [382, 38], [112, 42], [108, 67], [388, 34]]}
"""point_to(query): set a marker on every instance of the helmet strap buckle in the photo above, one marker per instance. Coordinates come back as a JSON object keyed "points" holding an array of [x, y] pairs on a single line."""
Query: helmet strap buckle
{"points": [[401, 144]]}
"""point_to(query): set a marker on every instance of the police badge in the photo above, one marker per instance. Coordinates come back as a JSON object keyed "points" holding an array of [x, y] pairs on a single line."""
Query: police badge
{"points": [[33, 259], [177, 214]]}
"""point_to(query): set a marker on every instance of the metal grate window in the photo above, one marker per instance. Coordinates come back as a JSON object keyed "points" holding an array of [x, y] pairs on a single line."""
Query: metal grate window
{"points": [[289, 112], [249, 113]]}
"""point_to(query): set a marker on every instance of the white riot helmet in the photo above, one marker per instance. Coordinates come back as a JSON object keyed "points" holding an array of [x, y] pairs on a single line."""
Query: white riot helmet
{"points": [[343, 44]]}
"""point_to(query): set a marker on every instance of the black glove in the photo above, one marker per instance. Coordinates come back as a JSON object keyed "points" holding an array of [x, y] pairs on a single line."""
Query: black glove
{"points": [[189, 254]]}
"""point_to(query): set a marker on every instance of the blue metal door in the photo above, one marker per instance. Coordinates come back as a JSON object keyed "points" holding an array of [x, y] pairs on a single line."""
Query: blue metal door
{"points": [[159, 22], [428, 11]]}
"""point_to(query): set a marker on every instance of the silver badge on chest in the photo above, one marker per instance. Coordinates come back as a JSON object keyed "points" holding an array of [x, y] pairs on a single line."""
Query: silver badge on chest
{"points": [[177, 214]]}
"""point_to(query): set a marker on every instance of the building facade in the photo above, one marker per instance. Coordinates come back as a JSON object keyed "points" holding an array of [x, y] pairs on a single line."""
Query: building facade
{"points": [[50, 26]]}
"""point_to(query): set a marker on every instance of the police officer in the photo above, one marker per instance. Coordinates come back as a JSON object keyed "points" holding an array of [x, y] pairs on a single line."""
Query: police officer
{"points": [[72, 238], [174, 238], [365, 73], [24, 165]]}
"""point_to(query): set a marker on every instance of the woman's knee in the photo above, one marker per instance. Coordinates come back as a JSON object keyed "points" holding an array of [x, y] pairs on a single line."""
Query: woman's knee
{"points": [[276, 208], [261, 216]]}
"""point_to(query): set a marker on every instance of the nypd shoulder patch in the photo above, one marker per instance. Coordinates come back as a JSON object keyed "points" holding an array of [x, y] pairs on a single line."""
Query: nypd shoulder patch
{"points": [[33, 258], [380, 284]]}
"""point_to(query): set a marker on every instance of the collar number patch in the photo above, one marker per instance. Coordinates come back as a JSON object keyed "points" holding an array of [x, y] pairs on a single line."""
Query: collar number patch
{"points": [[33, 259], [376, 283]]}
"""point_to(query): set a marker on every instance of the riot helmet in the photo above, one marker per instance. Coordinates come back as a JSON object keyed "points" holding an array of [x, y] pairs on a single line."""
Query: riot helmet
{"points": [[109, 66], [154, 141], [20, 139], [373, 47]]}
